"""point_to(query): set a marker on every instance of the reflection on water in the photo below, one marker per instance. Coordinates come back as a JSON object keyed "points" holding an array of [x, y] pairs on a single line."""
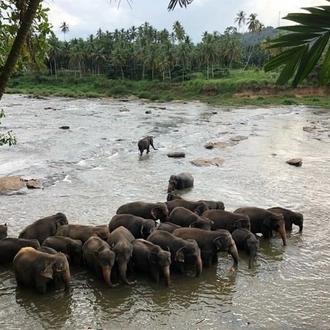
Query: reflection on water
{"points": [[94, 167]]}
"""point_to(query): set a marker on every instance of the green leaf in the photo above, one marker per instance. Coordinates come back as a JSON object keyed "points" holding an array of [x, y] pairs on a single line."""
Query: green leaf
{"points": [[325, 71]]}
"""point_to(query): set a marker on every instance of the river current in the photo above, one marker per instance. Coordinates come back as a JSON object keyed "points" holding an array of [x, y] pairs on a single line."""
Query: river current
{"points": [[93, 167]]}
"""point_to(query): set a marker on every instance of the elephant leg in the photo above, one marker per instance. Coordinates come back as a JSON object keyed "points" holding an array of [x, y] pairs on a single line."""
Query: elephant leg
{"points": [[106, 272], [123, 271], [155, 274], [282, 232], [166, 271]]}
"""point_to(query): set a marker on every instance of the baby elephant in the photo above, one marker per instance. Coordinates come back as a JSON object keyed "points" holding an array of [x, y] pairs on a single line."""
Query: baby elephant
{"points": [[145, 143]]}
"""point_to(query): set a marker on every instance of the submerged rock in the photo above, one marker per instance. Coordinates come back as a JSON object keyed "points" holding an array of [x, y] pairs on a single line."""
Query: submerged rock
{"points": [[295, 161], [207, 162], [176, 154]]}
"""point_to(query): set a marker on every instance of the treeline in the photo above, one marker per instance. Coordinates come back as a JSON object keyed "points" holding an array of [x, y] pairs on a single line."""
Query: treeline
{"points": [[143, 52]]}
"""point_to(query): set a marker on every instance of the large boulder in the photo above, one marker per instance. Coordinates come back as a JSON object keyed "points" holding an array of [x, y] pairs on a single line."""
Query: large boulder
{"points": [[17, 183]]}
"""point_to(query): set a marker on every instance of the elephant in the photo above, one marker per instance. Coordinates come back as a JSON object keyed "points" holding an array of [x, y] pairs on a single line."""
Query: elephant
{"points": [[264, 221], [36, 269], [197, 207], [182, 251], [209, 203], [155, 211], [145, 143], [71, 247], [83, 232], [3, 231], [151, 258], [210, 243], [47, 249], [226, 220], [44, 227], [120, 241], [10, 246], [100, 258], [180, 181], [186, 218], [247, 241], [139, 227], [168, 226], [290, 217]]}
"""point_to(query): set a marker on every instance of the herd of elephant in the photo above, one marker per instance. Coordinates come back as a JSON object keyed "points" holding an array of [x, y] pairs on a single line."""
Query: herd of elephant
{"points": [[155, 238]]}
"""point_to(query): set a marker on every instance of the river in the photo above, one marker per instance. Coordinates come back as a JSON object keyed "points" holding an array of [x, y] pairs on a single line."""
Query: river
{"points": [[93, 167]]}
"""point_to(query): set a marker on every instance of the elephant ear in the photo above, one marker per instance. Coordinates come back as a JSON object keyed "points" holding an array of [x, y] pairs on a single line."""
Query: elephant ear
{"points": [[154, 213], [218, 243], [267, 222], [152, 256], [179, 255], [48, 271]]}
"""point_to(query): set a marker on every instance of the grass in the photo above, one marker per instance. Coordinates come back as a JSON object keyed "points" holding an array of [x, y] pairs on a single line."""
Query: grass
{"points": [[239, 87]]}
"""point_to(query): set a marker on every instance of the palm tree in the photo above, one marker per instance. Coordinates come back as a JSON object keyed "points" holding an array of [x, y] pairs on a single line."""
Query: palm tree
{"points": [[305, 45], [241, 20], [179, 31], [64, 28], [183, 3]]}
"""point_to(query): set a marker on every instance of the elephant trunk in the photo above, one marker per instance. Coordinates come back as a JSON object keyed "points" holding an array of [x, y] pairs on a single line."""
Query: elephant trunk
{"points": [[234, 253], [166, 271], [122, 271], [106, 270], [170, 188], [67, 279], [199, 265], [300, 227], [253, 255], [282, 232]]}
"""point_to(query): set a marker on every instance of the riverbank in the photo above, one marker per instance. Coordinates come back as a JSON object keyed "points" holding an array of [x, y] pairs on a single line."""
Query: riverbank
{"points": [[239, 88]]}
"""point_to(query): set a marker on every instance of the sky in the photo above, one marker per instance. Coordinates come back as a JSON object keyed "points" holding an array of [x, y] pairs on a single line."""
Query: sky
{"points": [[85, 17]]}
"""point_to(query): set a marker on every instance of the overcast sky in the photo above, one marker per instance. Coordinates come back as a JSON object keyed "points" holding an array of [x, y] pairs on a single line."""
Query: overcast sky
{"points": [[85, 17]]}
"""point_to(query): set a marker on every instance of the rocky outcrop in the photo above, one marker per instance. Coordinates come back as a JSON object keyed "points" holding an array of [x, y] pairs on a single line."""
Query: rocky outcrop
{"points": [[295, 161], [208, 162], [17, 184]]}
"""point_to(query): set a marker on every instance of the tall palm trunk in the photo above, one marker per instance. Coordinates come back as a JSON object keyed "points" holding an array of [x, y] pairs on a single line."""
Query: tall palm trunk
{"points": [[19, 41]]}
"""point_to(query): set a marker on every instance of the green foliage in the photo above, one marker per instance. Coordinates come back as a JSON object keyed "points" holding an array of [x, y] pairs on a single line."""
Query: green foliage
{"points": [[6, 138], [304, 46]]}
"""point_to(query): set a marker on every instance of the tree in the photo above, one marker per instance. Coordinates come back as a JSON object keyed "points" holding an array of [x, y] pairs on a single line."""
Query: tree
{"points": [[305, 45], [64, 28], [240, 19]]}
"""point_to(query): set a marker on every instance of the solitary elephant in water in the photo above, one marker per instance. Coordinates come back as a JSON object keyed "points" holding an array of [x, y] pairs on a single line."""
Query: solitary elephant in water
{"points": [[264, 221], [83, 232], [247, 241], [227, 220], [100, 258], [139, 227], [145, 143], [180, 181], [182, 251], [151, 258], [186, 218], [44, 227], [9, 247], [34, 268], [3, 231], [71, 247], [210, 243], [120, 241], [290, 217], [155, 211]]}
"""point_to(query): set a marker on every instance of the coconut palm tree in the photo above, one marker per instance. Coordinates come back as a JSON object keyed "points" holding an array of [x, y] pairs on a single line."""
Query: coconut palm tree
{"points": [[179, 31], [305, 45], [64, 28], [241, 19], [182, 3]]}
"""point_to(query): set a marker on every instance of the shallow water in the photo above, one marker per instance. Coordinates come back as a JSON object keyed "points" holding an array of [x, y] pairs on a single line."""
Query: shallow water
{"points": [[94, 167]]}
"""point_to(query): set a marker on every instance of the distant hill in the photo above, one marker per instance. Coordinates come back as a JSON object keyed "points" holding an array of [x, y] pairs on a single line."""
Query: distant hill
{"points": [[253, 38]]}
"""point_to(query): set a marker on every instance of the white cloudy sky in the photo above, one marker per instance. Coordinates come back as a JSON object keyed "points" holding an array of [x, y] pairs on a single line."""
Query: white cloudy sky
{"points": [[85, 17]]}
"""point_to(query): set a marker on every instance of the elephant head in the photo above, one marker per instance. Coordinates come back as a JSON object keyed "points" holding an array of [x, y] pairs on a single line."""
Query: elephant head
{"points": [[252, 246], [147, 227], [106, 259], [162, 260], [191, 253], [60, 220], [227, 244], [3, 231], [160, 212], [276, 223], [61, 270], [243, 223], [172, 183]]}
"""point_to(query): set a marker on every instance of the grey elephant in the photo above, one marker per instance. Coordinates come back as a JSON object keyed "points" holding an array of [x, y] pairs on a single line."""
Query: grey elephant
{"points": [[9, 247], [71, 247], [227, 220], [186, 218], [83, 232], [36, 269], [145, 143], [121, 241], [247, 241], [44, 227], [210, 243], [100, 258], [290, 217], [209, 203], [264, 221], [151, 258], [168, 226], [182, 251], [180, 181], [155, 211], [197, 207], [139, 227]]}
